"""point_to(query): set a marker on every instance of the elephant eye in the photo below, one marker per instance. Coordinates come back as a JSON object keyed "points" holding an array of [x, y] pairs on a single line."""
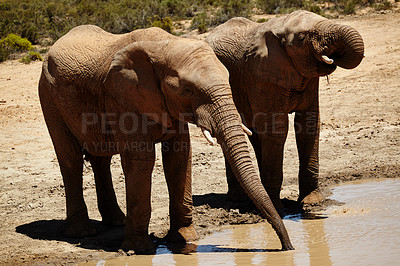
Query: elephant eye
{"points": [[187, 93], [300, 38]]}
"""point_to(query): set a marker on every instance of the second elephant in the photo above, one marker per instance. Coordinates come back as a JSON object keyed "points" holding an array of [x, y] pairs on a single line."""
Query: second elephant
{"points": [[274, 70]]}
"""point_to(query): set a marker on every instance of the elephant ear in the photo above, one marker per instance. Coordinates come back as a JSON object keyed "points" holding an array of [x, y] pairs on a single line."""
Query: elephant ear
{"points": [[273, 62], [132, 80]]}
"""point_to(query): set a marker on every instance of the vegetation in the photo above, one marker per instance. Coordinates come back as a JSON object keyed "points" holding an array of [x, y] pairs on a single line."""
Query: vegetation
{"points": [[31, 56], [11, 44], [43, 22]]}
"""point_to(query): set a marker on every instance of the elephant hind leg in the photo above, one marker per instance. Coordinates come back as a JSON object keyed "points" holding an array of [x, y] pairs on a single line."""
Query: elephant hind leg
{"points": [[106, 199], [70, 159]]}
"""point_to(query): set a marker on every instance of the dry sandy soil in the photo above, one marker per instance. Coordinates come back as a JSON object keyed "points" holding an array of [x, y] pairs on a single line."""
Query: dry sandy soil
{"points": [[360, 114]]}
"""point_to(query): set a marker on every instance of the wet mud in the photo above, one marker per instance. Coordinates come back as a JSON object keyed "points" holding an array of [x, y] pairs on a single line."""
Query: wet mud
{"points": [[363, 230]]}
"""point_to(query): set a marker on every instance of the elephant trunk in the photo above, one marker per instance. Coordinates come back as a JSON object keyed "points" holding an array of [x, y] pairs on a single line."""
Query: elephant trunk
{"points": [[345, 47], [226, 126]]}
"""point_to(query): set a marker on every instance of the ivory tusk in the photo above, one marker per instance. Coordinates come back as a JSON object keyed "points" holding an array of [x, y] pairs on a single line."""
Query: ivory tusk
{"points": [[208, 136], [327, 60], [246, 130]]}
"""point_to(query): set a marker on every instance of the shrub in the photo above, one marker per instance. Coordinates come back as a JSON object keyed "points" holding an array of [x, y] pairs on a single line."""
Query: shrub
{"points": [[163, 23], [279, 6], [349, 7], [4, 53], [11, 44], [174, 7], [386, 5], [262, 20], [31, 33], [31, 56], [16, 43], [200, 22]]}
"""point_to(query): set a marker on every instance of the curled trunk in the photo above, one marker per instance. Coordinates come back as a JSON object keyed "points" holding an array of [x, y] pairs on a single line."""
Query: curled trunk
{"points": [[345, 47], [231, 137]]}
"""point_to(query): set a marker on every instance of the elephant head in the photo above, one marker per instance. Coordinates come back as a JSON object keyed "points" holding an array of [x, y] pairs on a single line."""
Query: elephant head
{"points": [[290, 50], [183, 80], [315, 45]]}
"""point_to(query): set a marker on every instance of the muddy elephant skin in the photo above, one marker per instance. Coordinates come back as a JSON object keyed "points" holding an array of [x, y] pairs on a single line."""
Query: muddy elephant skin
{"points": [[274, 70], [104, 94]]}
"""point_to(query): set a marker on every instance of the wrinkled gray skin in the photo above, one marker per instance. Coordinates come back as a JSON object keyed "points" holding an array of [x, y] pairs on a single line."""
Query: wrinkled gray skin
{"points": [[104, 94], [274, 70]]}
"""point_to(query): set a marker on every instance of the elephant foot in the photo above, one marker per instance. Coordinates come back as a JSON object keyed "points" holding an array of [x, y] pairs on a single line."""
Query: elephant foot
{"points": [[116, 218], [183, 234], [314, 198], [79, 229], [142, 245]]}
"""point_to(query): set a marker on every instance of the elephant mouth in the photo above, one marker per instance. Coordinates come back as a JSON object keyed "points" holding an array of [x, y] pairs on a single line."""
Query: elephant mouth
{"points": [[325, 65]]}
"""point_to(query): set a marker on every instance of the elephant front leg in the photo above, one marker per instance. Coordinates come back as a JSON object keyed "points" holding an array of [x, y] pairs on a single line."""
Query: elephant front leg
{"points": [[137, 167], [272, 136], [307, 139], [176, 154]]}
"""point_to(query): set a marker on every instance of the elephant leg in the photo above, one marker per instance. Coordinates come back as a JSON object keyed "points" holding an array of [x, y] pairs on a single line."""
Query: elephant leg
{"points": [[235, 191], [137, 167], [177, 163], [70, 159], [307, 139], [272, 147], [106, 199]]}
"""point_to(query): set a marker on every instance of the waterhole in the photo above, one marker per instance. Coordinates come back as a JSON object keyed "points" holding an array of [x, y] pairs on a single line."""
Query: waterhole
{"points": [[365, 230]]}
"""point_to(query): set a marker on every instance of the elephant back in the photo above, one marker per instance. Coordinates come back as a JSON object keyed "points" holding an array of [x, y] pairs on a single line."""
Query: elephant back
{"points": [[227, 39]]}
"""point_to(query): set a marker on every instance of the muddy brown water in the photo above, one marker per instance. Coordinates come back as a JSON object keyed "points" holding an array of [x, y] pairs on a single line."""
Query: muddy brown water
{"points": [[365, 230]]}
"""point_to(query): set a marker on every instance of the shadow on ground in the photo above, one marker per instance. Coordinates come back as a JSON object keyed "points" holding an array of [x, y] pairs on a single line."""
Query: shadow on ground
{"points": [[210, 212], [107, 238], [216, 201]]}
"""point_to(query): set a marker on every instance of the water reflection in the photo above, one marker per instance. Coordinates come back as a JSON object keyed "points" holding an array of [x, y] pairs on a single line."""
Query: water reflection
{"points": [[363, 231]]}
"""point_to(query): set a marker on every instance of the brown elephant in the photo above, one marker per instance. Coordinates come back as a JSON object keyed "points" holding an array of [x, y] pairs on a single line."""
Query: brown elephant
{"points": [[274, 70], [104, 94]]}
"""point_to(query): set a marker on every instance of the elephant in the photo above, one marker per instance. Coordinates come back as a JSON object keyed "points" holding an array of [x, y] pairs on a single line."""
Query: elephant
{"points": [[104, 94], [274, 71]]}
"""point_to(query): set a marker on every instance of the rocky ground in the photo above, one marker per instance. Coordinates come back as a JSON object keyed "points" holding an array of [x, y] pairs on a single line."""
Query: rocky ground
{"points": [[360, 115]]}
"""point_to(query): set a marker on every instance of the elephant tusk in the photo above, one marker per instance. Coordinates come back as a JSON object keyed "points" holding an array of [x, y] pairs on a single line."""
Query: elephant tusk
{"points": [[327, 60], [246, 130], [208, 136]]}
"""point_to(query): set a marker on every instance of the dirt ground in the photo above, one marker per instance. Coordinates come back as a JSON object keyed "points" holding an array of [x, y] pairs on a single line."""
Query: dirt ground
{"points": [[360, 115]]}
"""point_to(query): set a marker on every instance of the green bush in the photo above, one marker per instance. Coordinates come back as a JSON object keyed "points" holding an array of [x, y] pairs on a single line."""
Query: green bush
{"points": [[11, 44], [163, 23], [176, 8], [230, 9], [200, 22], [279, 6], [16, 43], [31, 56], [386, 5], [349, 7], [4, 53]]}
